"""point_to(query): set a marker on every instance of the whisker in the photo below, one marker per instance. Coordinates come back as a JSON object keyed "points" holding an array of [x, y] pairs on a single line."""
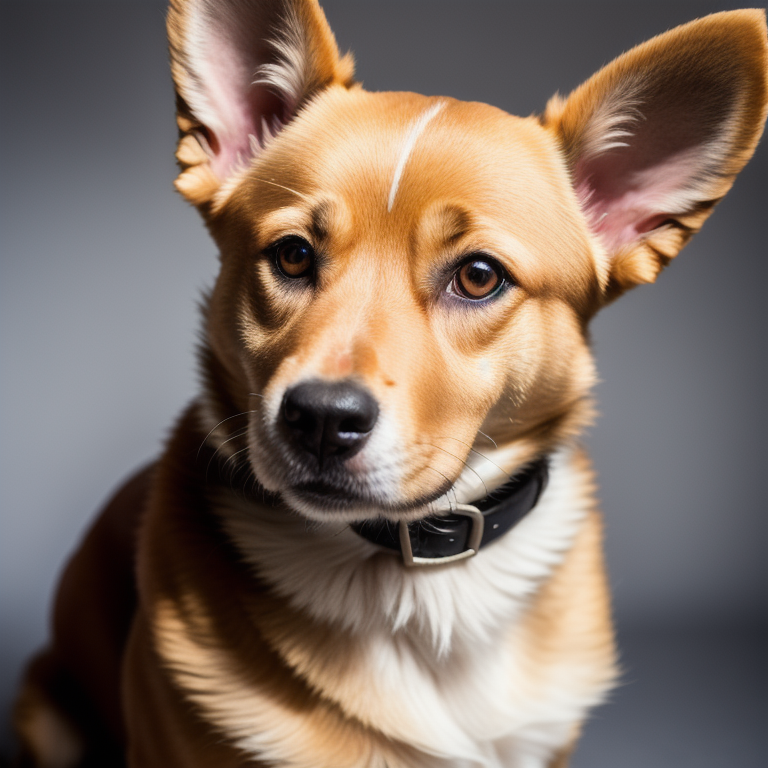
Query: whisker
{"points": [[473, 450], [236, 453], [282, 186], [250, 474], [205, 439], [428, 525], [232, 460], [341, 530], [450, 484], [237, 434], [466, 464], [488, 437]]}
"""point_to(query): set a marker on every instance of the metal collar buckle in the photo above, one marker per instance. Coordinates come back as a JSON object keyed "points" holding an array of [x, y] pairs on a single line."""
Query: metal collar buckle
{"points": [[473, 540]]}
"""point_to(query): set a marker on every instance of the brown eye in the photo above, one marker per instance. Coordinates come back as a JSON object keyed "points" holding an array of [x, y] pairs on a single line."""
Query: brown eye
{"points": [[477, 279], [294, 257]]}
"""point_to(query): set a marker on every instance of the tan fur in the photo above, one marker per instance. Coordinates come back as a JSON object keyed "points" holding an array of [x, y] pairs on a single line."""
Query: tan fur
{"points": [[187, 632]]}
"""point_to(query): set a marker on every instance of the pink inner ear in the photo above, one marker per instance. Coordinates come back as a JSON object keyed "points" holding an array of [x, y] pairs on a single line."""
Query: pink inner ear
{"points": [[653, 147], [239, 109], [625, 196], [226, 51]]}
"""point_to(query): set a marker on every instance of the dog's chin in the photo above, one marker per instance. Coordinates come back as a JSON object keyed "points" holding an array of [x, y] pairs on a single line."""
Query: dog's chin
{"points": [[321, 504], [344, 498], [339, 494]]}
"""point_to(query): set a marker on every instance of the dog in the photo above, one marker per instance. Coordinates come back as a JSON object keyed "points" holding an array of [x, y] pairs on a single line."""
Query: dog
{"points": [[373, 539]]}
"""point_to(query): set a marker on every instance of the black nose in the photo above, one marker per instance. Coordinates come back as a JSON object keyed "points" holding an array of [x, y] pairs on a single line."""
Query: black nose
{"points": [[329, 418]]}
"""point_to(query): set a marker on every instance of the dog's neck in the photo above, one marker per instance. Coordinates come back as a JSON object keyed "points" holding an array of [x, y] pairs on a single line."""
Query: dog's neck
{"points": [[465, 528], [341, 579]]}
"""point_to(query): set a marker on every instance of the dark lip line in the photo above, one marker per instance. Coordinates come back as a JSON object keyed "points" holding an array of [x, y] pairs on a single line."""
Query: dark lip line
{"points": [[341, 499]]}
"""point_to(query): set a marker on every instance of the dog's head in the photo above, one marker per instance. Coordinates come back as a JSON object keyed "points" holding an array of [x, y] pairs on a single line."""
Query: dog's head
{"points": [[406, 282]]}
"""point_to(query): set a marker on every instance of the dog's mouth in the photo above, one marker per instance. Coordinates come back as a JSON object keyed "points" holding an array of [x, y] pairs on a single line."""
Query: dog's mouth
{"points": [[326, 497], [355, 489]]}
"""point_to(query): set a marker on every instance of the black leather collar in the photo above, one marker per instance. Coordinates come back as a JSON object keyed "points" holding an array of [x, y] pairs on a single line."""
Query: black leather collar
{"points": [[464, 529]]}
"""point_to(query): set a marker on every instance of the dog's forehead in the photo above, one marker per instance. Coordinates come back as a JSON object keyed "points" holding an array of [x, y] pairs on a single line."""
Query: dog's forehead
{"points": [[394, 156], [394, 170]]}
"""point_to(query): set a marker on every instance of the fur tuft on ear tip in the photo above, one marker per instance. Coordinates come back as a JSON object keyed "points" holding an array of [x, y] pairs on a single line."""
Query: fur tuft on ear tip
{"points": [[304, 60], [609, 125]]}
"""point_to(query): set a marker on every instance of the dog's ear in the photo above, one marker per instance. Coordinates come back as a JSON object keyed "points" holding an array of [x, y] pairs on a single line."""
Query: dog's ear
{"points": [[242, 68], [655, 139]]}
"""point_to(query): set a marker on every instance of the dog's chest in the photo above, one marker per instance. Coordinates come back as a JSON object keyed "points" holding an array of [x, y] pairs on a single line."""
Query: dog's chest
{"points": [[405, 668], [381, 702], [487, 705]]}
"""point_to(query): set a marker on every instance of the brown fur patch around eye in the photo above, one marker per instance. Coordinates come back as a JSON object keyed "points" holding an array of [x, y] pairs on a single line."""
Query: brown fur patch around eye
{"points": [[320, 220], [455, 222]]}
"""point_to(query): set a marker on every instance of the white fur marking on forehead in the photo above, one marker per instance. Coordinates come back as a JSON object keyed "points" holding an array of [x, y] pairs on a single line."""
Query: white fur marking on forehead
{"points": [[418, 126]]}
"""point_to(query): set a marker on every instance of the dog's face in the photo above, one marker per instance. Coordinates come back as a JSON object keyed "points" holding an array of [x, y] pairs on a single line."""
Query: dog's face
{"points": [[418, 308], [406, 282]]}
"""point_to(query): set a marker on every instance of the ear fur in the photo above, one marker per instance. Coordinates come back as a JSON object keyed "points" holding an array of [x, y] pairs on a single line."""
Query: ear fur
{"points": [[242, 69], [656, 138]]}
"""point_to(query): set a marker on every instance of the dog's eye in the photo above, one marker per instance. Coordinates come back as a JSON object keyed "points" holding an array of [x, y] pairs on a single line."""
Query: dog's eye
{"points": [[294, 257], [477, 278]]}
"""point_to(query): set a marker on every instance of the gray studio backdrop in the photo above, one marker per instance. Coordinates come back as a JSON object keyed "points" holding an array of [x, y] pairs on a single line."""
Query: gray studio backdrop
{"points": [[102, 265]]}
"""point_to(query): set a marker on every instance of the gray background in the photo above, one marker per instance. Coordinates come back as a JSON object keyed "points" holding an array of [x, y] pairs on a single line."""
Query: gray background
{"points": [[102, 265]]}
